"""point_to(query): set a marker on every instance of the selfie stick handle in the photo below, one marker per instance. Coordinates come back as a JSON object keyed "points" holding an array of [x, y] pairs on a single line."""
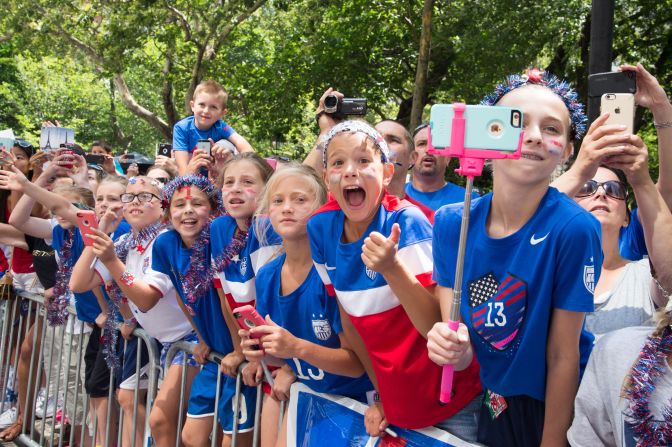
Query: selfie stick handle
{"points": [[469, 167]]}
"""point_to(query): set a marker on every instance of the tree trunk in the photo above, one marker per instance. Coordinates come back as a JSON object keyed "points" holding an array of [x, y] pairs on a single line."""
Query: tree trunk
{"points": [[420, 91], [118, 134], [132, 105]]}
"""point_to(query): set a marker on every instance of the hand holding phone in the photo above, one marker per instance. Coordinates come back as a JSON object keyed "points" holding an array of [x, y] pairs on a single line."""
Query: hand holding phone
{"points": [[86, 221], [621, 109], [247, 318], [204, 145], [165, 149]]}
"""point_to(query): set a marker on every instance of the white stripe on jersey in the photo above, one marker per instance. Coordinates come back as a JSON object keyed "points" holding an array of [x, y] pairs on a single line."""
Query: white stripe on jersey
{"points": [[262, 255], [322, 271], [359, 303], [242, 292], [417, 257]]}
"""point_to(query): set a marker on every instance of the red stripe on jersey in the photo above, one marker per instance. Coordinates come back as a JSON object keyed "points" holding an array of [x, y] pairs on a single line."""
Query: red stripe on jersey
{"points": [[330, 289], [216, 283], [425, 279], [427, 211], [408, 381]]}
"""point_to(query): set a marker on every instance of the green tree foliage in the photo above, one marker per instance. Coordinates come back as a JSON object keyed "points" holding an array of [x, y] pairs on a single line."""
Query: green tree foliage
{"points": [[276, 57]]}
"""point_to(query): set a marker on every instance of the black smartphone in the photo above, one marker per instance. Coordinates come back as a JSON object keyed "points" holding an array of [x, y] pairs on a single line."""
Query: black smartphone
{"points": [[610, 82], [94, 159], [165, 149]]}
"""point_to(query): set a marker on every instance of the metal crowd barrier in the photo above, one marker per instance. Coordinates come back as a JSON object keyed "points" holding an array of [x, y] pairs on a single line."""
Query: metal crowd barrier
{"points": [[216, 358], [60, 368], [54, 369]]}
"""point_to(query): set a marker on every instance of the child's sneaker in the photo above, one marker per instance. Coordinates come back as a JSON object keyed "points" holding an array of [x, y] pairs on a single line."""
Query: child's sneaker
{"points": [[8, 418], [44, 408]]}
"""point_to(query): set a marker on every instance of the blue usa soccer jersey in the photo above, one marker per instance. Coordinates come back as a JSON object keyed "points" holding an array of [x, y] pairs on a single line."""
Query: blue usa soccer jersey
{"points": [[171, 258], [311, 314], [408, 382], [512, 285], [237, 279]]}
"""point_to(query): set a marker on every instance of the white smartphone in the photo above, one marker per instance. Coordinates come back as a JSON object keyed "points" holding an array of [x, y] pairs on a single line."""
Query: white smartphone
{"points": [[621, 108], [204, 145]]}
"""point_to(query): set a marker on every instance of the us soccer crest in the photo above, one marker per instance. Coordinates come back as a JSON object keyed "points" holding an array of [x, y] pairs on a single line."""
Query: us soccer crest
{"points": [[498, 309], [145, 265], [370, 273], [589, 278], [322, 329], [243, 266]]}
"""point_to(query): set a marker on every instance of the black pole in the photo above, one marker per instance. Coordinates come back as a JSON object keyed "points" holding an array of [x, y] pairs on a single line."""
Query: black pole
{"points": [[601, 38]]}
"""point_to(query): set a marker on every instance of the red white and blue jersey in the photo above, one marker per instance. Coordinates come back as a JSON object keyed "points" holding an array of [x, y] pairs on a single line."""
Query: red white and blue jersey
{"points": [[237, 278], [408, 381], [171, 258], [512, 285], [311, 314]]}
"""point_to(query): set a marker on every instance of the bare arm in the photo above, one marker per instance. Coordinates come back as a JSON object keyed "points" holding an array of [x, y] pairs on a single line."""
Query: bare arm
{"points": [[21, 218], [562, 375], [357, 345], [182, 160], [241, 143], [654, 213], [83, 277], [11, 236], [325, 123]]}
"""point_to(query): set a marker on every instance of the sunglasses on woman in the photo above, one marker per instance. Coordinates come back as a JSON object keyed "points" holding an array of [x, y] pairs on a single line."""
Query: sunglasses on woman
{"points": [[613, 188]]}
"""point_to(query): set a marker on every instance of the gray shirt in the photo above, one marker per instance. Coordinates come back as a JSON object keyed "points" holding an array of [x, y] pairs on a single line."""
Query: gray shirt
{"points": [[627, 304], [599, 418]]}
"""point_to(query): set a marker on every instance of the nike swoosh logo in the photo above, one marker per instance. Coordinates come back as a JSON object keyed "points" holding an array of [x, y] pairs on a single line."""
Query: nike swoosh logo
{"points": [[534, 241], [329, 268]]}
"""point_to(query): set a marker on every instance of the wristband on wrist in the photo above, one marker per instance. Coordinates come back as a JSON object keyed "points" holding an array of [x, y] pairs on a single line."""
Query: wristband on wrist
{"points": [[130, 321], [664, 125], [127, 278]]}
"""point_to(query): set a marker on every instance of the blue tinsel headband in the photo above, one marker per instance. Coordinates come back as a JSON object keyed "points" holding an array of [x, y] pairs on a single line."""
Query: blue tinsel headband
{"points": [[577, 116], [200, 182], [360, 127]]}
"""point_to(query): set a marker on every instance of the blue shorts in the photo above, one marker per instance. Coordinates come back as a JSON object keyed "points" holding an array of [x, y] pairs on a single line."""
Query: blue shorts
{"points": [[179, 357], [128, 379], [202, 399]]}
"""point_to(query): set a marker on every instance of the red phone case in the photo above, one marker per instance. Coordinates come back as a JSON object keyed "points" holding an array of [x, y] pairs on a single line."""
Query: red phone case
{"points": [[247, 318], [86, 220]]}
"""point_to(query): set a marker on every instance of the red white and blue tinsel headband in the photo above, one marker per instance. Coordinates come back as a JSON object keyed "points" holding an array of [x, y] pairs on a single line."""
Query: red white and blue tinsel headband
{"points": [[577, 115], [360, 127], [198, 181]]}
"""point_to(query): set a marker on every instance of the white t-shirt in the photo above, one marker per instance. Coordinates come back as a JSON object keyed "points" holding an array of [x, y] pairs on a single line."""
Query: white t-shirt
{"points": [[165, 321]]}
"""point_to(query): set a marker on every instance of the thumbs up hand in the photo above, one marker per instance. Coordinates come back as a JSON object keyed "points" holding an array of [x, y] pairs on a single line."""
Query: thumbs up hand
{"points": [[379, 253]]}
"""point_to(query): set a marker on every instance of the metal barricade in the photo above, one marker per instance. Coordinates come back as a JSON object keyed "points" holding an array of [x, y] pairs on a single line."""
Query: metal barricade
{"points": [[216, 358], [58, 364]]}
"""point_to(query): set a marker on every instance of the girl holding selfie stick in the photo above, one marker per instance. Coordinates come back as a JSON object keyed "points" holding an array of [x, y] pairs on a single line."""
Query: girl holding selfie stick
{"points": [[528, 279]]}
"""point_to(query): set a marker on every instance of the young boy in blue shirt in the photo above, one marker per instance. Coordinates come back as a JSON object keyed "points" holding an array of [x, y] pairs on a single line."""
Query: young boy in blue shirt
{"points": [[209, 105]]}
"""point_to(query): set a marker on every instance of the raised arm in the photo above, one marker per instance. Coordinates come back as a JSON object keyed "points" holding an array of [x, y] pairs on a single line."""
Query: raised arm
{"points": [[651, 95], [325, 122], [9, 235], [654, 213]]}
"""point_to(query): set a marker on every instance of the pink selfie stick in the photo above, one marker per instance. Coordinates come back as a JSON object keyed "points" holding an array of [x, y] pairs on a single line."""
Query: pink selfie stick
{"points": [[471, 165]]}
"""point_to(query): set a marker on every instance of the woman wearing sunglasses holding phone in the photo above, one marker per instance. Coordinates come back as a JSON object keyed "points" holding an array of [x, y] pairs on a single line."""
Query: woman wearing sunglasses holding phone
{"points": [[625, 295]]}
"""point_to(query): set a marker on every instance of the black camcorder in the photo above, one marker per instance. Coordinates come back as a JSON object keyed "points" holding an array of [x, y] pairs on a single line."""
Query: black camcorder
{"points": [[345, 106]]}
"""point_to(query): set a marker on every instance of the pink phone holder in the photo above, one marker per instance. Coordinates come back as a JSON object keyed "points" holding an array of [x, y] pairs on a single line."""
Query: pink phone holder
{"points": [[471, 159]]}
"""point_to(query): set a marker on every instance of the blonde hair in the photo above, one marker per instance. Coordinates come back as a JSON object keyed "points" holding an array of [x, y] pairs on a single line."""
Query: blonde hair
{"points": [[115, 179], [85, 195], [212, 88], [316, 187]]}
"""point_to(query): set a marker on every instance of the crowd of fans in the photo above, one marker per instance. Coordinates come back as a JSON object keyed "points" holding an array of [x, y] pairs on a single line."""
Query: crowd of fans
{"points": [[352, 266]]}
